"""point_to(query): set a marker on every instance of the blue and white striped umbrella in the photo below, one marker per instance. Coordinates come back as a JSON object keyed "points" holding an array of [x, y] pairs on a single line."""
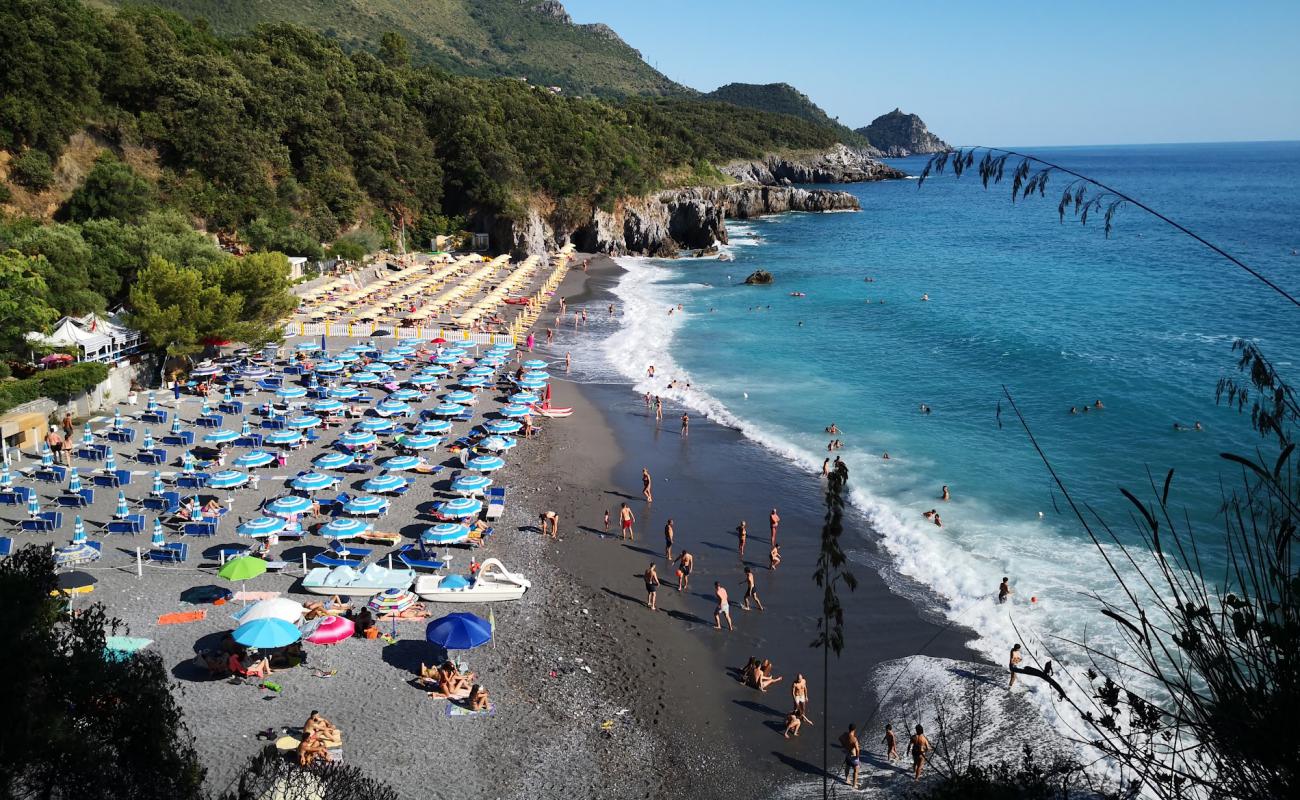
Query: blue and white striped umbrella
{"points": [[534, 363], [206, 409], [537, 375], [78, 530], [524, 398], [157, 528], [471, 484], [246, 427], [33, 505], [365, 505], [261, 526], [398, 463], [392, 358], [406, 347], [514, 411], [176, 425], [334, 460], [74, 479], [255, 373], [110, 459], [151, 403], [87, 435], [492, 361], [313, 482], [343, 528], [434, 426], [422, 380], [157, 487], [379, 368], [148, 440], [205, 371], [288, 506], [460, 397], [472, 382], [378, 424], [228, 479], [308, 346], [383, 484], [404, 395], [159, 538], [220, 436], [227, 396], [282, 437], [117, 419], [198, 516], [461, 507], [345, 393], [363, 347], [73, 554], [290, 392], [497, 443], [329, 367], [303, 422], [365, 376], [485, 463], [254, 458], [530, 383], [47, 457], [7, 480], [326, 406], [478, 372], [448, 409], [446, 358], [445, 533], [503, 426], [357, 439], [458, 352], [123, 510], [347, 357], [187, 462], [393, 408], [421, 441], [435, 371]]}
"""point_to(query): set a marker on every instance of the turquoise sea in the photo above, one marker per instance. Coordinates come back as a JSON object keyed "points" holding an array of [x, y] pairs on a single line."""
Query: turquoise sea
{"points": [[1057, 313]]}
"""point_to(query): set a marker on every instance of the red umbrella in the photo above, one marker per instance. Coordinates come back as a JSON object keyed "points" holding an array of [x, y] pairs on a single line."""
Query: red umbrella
{"points": [[438, 340], [56, 358]]}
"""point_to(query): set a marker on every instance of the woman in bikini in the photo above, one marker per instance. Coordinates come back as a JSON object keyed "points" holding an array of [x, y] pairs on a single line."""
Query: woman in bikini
{"points": [[478, 699]]}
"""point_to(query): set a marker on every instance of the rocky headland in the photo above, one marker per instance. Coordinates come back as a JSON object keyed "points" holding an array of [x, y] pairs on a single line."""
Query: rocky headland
{"points": [[898, 135], [839, 164]]}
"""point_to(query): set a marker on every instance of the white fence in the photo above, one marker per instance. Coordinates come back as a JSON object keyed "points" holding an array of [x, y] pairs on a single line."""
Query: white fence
{"points": [[367, 329]]}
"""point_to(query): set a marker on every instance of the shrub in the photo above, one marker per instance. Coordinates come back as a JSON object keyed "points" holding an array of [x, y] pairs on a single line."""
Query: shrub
{"points": [[57, 383], [34, 170]]}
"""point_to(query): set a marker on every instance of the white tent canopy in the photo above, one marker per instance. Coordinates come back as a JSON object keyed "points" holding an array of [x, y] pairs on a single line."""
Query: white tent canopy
{"points": [[95, 338]]}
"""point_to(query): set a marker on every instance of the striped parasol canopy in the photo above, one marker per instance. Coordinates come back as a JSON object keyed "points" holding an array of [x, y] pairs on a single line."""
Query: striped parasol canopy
{"points": [[304, 421], [261, 526], [329, 367], [398, 463], [448, 409], [384, 484], [503, 426], [255, 373], [435, 371], [282, 437], [365, 376], [392, 358], [421, 441], [288, 506], [254, 458], [334, 460], [357, 439], [205, 370], [514, 411], [392, 601], [228, 479], [343, 528], [445, 533], [380, 368], [393, 408], [326, 406], [220, 436], [122, 511], [525, 398], [478, 372], [404, 395], [536, 375], [460, 507], [471, 484], [485, 463], [365, 506], [472, 382], [313, 482], [497, 443], [534, 363], [460, 397], [347, 357], [458, 352], [290, 392], [374, 424], [422, 380], [345, 393], [530, 383], [434, 426], [74, 479], [446, 359]]}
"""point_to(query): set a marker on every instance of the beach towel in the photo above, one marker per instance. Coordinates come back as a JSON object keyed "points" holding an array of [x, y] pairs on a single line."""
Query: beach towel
{"points": [[181, 617], [454, 710], [253, 597]]}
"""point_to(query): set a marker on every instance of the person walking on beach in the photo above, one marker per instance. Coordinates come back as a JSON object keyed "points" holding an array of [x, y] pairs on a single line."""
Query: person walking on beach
{"points": [[67, 426], [1004, 590], [659, 408], [774, 522], [54, 441], [751, 593], [742, 533], [891, 743], [686, 424], [646, 486], [799, 690], [606, 521], [919, 747], [1013, 663], [668, 540], [651, 587], [531, 341], [684, 566], [852, 755], [774, 557], [723, 610], [625, 520]]}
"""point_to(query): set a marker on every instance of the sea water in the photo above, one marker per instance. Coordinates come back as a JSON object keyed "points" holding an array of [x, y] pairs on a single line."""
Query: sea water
{"points": [[1056, 315]]}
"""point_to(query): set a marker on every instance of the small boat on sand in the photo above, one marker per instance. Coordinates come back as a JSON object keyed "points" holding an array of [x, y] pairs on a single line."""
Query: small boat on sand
{"points": [[492, 584]]}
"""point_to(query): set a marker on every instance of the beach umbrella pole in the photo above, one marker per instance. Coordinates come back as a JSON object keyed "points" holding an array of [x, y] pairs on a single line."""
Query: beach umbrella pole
{"points": [[139, 564]]}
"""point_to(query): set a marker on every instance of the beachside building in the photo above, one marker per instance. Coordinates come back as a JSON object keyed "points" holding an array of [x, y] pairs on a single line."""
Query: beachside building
{"points": [[93, 338]]}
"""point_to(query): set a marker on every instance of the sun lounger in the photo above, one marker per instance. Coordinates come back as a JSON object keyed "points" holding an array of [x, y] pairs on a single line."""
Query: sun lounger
{"points": [[496, 505], [6, 546], [154, 417], [465, 416], [410, 555], [47, 522], [168, 504], [115, 479], [337, 548], [199, 529], [182, 439], [153, 457], [122, 436], [17, 496], [232, 407], [273, 423], [171, 553], [210, 421], [270, 384], [325, 560], [195, 480], [132, 524], [90, 453], [79, 499]]}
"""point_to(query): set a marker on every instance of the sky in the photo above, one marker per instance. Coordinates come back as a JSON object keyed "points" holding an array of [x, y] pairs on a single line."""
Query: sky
{"points": [[1051, 72]]}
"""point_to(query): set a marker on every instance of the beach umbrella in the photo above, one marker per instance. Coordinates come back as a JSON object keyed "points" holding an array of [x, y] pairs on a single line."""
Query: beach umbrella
{"points": [[448, 409], [78, 530], [206, 409], [110, 460], [345, 393], [148, 440], [281, 608], [365, 506], [472, 382], [434, 426], [122, 511], [313, 482], [471, 484], [87, 435], [261, 526], [75, 554], [460, 507], [534, 363], [228, 479], [332, 630], [404, 395], [159, 537], [435, 371], [157, 487], [460, 397], [497, 443], [357, 439], [198, 516], [303, 422], [151, 403], [392, 601], [326, 406], [347, 357], [446, 359], [478, 372], [492, 361], [309, 347], [227, 396], [392, 358], [205, 371], [445, 533], [422, 380], [334, 460], [399, 463], [267, 633], [459, 631], [536, 375], [242, 569], [47, 457], [255, 373], [75, 581], [421, 441], [74, 479], [220, 436], [524, 398], [530, 383], [290, 392], [254, 458], [485, 463], [7, 480], [380, 368], [514, 411], [187, 462], [329, 367], [383, 484], [503, 426], [117, 419], [343, 528], [285, 437], [458, 352], [393, 408], [406, 346], [176, 426], [246, 427], [288, 506], [373, 424], [365, 376]]}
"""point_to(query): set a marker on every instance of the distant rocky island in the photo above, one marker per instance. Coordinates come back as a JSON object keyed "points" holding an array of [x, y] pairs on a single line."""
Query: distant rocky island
{"points": [[898, 135]]}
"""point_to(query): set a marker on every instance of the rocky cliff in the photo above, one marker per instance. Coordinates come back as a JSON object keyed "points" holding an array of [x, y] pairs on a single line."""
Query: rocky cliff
{"points": [[662, 224], [839, 164], [898, 135]]}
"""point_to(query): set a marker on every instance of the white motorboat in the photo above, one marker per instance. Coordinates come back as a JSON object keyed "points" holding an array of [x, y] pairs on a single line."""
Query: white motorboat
{"points": [[492, 584]]}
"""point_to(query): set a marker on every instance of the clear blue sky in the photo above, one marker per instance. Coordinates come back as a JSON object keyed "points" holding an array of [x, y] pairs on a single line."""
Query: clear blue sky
{"points": [[1029, 73]]}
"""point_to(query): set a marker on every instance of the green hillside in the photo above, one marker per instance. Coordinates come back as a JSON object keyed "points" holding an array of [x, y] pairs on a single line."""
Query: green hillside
{"points": [[781, 98], [484, 38]]}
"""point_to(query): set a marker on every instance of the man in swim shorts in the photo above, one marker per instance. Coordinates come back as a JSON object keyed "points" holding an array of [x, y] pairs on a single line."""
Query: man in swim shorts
{"points": [[625, 520], [723, 609], [852, 755]]}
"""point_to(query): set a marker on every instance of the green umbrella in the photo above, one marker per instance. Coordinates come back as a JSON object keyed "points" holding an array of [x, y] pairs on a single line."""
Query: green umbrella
{"points": [[242, 568]]}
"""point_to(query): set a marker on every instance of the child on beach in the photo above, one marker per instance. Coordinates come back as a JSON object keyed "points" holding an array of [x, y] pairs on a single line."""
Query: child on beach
{"points": [[607, 520], [774, 557], [891, 743]]}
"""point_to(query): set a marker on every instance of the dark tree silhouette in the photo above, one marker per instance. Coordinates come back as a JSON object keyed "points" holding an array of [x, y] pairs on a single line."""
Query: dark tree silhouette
{"points": [[829, 574]]}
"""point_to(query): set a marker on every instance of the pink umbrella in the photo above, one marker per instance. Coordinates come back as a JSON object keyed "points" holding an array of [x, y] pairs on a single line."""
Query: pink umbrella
{"points": [[332, 630]]}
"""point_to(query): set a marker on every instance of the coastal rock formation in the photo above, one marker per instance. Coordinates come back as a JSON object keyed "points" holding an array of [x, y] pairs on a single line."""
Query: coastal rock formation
{"points": [[839, 164], [759, 277], [899, 135]]}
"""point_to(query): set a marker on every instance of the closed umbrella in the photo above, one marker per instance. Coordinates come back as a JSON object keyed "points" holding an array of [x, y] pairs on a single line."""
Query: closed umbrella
{"points": [[255, 373], [151, 402], [157, 488], [148, 440], [7, 480], [461, 507], [267, 633], [245, 427], [227, 396], [313, 482], [187, 462], [365, 506], [87, 435], [288, 506], [78, 530], [254, 458], [380, 368], [261, 526], [384, 484], [459, 631], [334, 460], [110, 459], [47, 457], [343, 528], [122, 511], [74, 479], [206, 409], [176, 426], [159, 538], [117, 419]]}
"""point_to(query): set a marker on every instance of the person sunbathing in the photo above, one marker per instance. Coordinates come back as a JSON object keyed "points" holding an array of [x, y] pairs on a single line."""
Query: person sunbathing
{"points": [[257, 669], [312, 749], [328, 732], [330, 608], [763, 676], [747, 673], [213, 507], [478, 699], [416, 611], [450, 682]]}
